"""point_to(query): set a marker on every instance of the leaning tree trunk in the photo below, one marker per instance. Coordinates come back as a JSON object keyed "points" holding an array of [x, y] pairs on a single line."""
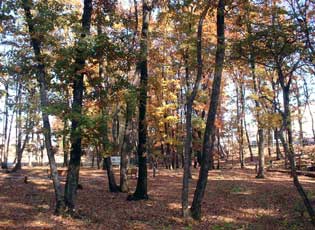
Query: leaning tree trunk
{"points": [[75, 134], [189, 106], [209, 135], [41, 78], [141, 189], [288, 145]]}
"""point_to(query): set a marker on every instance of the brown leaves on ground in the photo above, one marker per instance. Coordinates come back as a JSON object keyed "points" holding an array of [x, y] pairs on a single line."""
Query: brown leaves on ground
{"points": [[234, 200]]}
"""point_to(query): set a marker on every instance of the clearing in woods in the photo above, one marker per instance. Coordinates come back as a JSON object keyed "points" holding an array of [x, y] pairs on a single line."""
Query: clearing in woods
{"points": [[234, 200]]}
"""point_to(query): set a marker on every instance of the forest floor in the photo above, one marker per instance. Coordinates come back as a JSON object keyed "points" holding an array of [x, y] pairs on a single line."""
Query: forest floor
{"points": [[234, 200]]}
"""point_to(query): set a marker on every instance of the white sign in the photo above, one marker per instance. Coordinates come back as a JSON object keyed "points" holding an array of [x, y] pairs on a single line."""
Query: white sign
{"points": [[115, 160]]}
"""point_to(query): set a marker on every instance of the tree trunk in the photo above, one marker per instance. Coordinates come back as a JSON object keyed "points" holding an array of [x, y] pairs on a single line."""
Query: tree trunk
{"points": [[260, 137], [126, 145], [5, 128], [65, 143], [269, 141], [41, 78], [248, 142], [307, 101], [4, 163], [110, 174], [141, 189], [99, 157], [278, 152], [288, 146], [210, 125], [300, 116], [189, 104], [20, 147], [261, 154], [240, 106], [75, 134]]}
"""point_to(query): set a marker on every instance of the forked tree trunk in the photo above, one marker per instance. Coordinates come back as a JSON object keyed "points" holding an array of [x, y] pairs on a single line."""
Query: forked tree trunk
{"points": [[41, 78], [209, 135], [189, 104]]}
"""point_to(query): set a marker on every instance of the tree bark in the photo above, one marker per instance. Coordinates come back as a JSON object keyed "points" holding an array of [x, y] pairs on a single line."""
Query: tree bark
{"points": [[240, 106], [65, 146], [260, 137], [20, 147], [209, 135], [189, 104], [248, 141], [41, 78], [278, 152], [5, 128], [110, 174], [126, 145], [75, 134], [4, 163], [141, 189], [288, 145]]}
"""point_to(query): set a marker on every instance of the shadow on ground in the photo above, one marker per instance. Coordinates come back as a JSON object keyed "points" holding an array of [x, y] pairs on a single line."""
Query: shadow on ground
{"points": [[234, 200]]}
